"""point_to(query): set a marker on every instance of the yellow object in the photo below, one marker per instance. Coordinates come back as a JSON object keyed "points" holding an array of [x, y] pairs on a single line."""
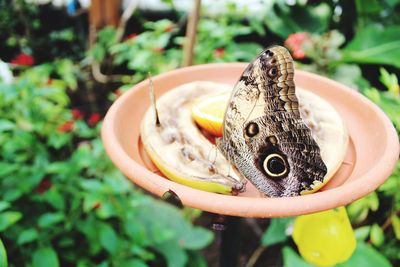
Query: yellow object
{"points": [[177, 147], [185, 177], [324, 238], [208, 113]]}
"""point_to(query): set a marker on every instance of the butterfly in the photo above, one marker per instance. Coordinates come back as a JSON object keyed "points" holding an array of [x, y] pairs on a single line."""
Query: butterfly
{"points": [[264, 136]]}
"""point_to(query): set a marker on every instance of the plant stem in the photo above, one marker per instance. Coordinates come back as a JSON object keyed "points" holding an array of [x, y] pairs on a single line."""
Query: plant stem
{"points": [[255, 256], [254, 226], [191, 32]]}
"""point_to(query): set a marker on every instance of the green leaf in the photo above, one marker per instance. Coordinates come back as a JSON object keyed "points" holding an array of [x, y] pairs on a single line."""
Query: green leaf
{"points": [[173, 254], [276, 232], [366, 256], [55, 198], [90, 201], [390, 81], [393, 3], [362, 233], [92, 185], [9, 218], [292, 259], [49, 219], [198, 238], [396, 225], [4, 205], [374, 44], [366, 7], [257, 25], [66, 242], [132, 263], [7, 168], [377, 235], [348, 74], [6, 125], [283, 20], [108, 238], [66, 70], [45, 257], [196, 259], [3, 255], [166, 223], [358, 210], [58, 140], [27, 236]]}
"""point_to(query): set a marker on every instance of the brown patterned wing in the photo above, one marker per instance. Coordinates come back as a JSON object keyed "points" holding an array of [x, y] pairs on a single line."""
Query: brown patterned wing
{"points": [[264, 136]]}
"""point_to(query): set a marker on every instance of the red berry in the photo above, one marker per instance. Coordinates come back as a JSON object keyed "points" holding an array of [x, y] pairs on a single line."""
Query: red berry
{"points": [[77, 114], [23, 60], [219, 52], [131, 36], [94, 119], [96, 205], [43, 186], [295, 43], [66, 127]]}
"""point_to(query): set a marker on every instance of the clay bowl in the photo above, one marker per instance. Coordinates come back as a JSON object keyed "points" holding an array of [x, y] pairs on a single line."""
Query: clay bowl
{"points": [[371, 156]]}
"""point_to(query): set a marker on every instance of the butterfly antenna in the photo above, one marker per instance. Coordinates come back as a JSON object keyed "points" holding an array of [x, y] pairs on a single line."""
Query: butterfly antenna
{"points": [[153, 99], [214, 148]]}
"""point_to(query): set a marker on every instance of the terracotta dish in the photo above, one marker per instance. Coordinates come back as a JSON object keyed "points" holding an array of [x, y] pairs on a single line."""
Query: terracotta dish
{"points": [[371, 156]]}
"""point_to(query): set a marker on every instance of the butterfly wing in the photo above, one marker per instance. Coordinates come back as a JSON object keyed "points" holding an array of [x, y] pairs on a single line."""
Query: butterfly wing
{"points": [[263, 134]]}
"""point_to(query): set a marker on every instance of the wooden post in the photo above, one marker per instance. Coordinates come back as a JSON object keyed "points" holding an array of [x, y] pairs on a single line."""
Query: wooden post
{"points": [[103, 13], [191, 31]]}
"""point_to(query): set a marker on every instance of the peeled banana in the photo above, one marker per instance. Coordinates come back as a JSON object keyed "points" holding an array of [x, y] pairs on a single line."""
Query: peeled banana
{"points": [[180, 150]]}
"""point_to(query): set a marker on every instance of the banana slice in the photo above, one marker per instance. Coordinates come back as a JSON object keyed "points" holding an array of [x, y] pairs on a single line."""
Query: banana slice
{"points": [[328, 130], [184, 154], [179, 149]]}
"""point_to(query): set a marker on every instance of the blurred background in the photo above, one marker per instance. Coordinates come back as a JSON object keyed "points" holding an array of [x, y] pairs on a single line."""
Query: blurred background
{"points": [[62, 64]]}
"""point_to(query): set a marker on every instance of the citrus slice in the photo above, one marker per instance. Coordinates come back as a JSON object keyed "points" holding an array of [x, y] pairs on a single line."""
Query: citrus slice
{"points": [[208, 113]]}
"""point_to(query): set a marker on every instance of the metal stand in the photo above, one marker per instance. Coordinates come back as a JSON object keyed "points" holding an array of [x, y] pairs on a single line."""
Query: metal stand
{"points": [[230, 231]]}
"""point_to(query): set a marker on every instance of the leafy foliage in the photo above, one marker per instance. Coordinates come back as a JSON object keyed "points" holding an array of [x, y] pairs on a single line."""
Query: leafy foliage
{"points": [[374, 44], [60, 205], [302, 17], [63, 203], [276, 232]]}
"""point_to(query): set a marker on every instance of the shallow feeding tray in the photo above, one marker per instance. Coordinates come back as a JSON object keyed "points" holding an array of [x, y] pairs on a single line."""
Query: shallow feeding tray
{"points": [[371, 154]]}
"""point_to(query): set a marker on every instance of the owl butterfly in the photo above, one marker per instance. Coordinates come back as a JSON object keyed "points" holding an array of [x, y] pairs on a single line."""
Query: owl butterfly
{"points": [[264, 136]]}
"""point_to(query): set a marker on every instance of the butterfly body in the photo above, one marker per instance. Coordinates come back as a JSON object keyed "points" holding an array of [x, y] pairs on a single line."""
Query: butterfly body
{"points": [[264, 136]]}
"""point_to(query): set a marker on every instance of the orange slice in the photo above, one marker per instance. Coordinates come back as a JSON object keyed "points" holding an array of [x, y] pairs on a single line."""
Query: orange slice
{"points": [[208, 112]]}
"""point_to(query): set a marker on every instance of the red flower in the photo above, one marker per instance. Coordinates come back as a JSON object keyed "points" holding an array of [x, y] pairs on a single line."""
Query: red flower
{"points": [[131, 36], [94, 119], [295, 43], [169, 28], [49, 82], [23, 60], [96, 205], [43, 186], [158, 50], [219, 52], [66, 127], [77, 114], [118, 92]]}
